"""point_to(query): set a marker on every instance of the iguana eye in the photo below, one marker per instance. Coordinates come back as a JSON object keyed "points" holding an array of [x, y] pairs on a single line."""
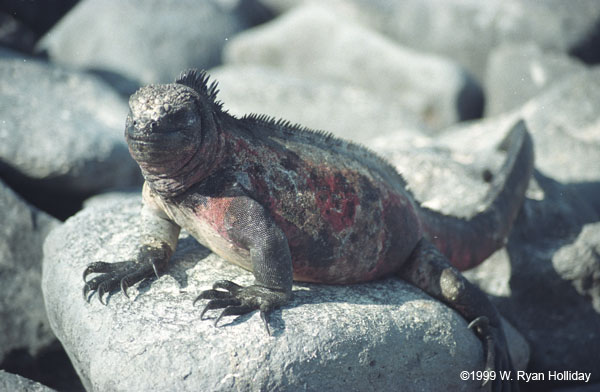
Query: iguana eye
{"points": [[129, 121]]}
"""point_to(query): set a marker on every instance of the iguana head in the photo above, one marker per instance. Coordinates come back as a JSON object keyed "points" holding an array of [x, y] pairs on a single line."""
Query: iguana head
{"points": [[163, 120], [172, 132]]}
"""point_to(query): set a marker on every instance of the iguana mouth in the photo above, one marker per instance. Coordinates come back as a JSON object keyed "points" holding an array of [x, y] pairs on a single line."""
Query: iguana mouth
{"points": [[145, 137], [151, 133]]}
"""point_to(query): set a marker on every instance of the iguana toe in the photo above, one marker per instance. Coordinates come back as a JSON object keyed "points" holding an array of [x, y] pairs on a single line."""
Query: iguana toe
{"points": [[234, 310], [220, 304], [239, 300], [115, 276], [100, 267], [123, 274]]}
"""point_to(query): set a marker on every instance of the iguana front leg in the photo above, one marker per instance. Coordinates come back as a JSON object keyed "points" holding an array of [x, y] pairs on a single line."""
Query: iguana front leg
{"points": [[158, 242], [250, 226], [428, 269]]}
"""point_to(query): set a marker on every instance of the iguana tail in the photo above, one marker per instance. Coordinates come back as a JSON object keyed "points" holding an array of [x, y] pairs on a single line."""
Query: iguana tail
{"points": [[468, 242]]}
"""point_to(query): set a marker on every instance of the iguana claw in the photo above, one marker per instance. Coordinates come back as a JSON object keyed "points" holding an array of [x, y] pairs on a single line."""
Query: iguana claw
{"points": [[495, 351], [480, 324], [123, 274], [237, 300]]}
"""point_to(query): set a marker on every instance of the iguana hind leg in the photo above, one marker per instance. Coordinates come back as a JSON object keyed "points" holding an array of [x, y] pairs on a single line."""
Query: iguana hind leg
{"points": [[428, 269]]}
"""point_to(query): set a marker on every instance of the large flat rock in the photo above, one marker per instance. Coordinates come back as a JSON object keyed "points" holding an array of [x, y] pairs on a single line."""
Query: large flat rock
{"points": [[385, 335]]}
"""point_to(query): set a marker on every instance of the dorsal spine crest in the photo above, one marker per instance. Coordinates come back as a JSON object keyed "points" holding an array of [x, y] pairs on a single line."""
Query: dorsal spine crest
{"points": [[199, 82]]}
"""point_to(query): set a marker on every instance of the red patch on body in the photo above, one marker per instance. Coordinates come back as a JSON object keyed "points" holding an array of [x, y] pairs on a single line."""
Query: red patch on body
{"points": [[336, 199], [214, 212]]}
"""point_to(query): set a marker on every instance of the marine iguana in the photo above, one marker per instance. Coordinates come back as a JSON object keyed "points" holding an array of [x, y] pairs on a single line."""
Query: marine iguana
{"points": [[289, 203]]}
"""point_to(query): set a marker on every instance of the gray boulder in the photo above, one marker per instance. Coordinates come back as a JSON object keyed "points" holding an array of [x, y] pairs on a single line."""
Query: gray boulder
{"points": [[345, 110], [15, 383], [145, 41], [384, 335], [314, 42], [61, 130], [24, 323], [466, 31], [579, 263], [516, 73], [563, 121]]}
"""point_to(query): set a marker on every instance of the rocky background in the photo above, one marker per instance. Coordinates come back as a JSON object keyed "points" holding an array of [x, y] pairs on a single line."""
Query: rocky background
{"points": [[432, 85]]}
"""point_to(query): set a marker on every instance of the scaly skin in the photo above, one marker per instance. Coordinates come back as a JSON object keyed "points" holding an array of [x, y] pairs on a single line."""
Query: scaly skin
{"points": [[288, 203]]}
